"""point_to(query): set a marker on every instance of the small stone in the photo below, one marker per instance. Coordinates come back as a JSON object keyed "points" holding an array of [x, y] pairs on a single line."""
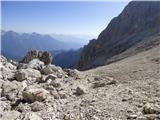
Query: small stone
{"points": [[131, 116], [79, 91], [55, 84], [98, 84], [37, 106], [51, 76], [59, 75], [62, 95], [112, 82]]}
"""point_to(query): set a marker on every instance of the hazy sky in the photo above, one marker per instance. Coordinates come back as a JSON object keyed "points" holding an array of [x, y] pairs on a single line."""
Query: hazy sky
{"points": [[59, 17]]}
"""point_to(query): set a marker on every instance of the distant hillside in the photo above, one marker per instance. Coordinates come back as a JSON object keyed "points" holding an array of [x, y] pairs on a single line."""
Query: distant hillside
{"points": [[66, 59], [138, 21], [15, 45]]}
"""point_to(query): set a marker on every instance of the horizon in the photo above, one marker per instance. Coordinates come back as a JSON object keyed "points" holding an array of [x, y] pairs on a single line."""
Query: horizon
{"points": [[81, 18]]}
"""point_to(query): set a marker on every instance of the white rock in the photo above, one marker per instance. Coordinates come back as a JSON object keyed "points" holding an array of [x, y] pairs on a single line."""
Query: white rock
{"points": [[35, 64], [30, 116], [9, 115]]}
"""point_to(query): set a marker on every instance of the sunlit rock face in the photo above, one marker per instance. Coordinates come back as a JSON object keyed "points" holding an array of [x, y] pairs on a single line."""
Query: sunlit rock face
{"points": [[138, 20]]}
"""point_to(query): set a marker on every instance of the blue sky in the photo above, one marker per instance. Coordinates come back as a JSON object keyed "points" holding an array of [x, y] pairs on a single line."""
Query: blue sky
{"points": [[73, 18]]}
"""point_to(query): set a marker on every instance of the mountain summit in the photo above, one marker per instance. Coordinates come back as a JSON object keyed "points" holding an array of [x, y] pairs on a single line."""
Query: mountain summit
{"points": [[138, 20]]}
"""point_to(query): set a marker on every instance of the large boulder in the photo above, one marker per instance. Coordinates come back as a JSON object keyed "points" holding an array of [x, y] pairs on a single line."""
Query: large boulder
{"points": [[12, 90], [34, 64], [9, 115], [24, 74], [45, 56], [151, 109], [32, 94], [49, 69]]}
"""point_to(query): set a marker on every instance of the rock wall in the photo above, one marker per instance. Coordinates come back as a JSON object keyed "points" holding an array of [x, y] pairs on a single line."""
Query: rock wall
{"points": [[138, 20]]}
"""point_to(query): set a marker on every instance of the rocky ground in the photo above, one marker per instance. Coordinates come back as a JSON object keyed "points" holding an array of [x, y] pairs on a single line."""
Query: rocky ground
{"points": [[37, 90]]}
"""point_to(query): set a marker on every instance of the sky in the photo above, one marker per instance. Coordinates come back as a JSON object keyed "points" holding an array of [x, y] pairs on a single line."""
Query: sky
{"points": [[71, 18]]}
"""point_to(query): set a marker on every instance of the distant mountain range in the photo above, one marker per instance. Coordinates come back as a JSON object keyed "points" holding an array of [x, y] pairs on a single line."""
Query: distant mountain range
{"points": [[80, 40], [15, 45], [137, 25]]}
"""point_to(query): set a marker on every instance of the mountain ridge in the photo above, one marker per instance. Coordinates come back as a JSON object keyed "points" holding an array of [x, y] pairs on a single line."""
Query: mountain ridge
{"points": [[137, 21]]}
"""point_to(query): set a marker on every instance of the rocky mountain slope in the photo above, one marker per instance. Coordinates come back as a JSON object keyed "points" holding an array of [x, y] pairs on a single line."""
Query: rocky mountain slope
{"points": [[138, 21], [37, 90]]}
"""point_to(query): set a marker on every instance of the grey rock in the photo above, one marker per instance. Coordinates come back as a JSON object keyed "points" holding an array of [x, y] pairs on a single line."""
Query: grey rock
{"points": [[37, 106], [32, 94], [80, 90], [12, 90], [51, 77], [47, 70], [98, 84], [23, 107], [33, 64], [73, 73], [9, 115], [151, 109], [24, 74]]}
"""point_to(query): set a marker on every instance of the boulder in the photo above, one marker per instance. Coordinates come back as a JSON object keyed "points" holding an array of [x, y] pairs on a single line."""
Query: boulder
{"points": [[32, 94], [4, 105], [151, 109], [7, 73], [24, 74], [42, 56], [9, 115], [34, 64], [49, 69], [12, 90]]}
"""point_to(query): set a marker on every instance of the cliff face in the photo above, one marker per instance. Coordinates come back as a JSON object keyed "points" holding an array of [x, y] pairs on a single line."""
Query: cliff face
{"points": [[137, 21]]}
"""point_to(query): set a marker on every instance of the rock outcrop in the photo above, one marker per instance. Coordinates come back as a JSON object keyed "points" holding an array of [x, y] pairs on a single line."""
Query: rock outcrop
{"points": [[138, 20], [42, 56]]}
